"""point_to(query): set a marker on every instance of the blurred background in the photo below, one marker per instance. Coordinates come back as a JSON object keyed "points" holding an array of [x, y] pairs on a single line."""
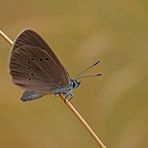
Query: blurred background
{"points": [[80, 32]]}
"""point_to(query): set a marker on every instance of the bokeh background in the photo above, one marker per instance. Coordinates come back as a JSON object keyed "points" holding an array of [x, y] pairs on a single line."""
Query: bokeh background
{"points": [[80, 32]]}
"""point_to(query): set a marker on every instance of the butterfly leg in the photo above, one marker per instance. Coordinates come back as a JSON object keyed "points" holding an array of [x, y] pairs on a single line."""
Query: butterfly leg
{"points": [[68, 96]]}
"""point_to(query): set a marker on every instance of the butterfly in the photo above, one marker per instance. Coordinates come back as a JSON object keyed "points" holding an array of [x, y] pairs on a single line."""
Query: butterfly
{"points": [[34, 67]]}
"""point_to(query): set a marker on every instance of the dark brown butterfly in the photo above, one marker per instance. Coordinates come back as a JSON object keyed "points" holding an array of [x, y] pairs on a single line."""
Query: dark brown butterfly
{"points": [[35, 67]]}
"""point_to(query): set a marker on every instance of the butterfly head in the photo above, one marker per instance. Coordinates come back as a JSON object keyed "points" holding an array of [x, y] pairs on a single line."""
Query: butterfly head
{"points": [[75, 83]]}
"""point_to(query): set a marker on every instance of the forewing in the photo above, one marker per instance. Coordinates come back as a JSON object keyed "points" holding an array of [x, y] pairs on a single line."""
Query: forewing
{"points": [[29, 37], [34, 69]]}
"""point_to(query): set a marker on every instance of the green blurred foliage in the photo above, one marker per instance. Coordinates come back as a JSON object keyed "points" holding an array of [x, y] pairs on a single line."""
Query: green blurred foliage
{"points": [[115, 105]]}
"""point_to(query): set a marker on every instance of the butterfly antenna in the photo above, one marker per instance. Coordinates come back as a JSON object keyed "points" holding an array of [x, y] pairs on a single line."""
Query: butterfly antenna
{"points": [[89, 76], [87, 69]]}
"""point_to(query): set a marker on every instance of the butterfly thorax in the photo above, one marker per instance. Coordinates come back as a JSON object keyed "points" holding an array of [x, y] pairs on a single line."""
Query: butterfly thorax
{"points": [[66, 90]]}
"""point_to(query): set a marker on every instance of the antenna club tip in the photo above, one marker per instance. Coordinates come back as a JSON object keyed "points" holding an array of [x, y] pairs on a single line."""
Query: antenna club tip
{"points": [[99, 74], [96, 63]]}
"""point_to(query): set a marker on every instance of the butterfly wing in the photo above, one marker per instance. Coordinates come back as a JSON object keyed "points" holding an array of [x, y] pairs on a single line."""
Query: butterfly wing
{"points": [[34, 69], [29, 37], [29, 95]]}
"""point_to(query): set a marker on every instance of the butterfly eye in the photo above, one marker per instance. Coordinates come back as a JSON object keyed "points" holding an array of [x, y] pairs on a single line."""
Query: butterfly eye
{"points": [[41, 59], [46, 59], [29, 79], [32, 59], [31, 74]]}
